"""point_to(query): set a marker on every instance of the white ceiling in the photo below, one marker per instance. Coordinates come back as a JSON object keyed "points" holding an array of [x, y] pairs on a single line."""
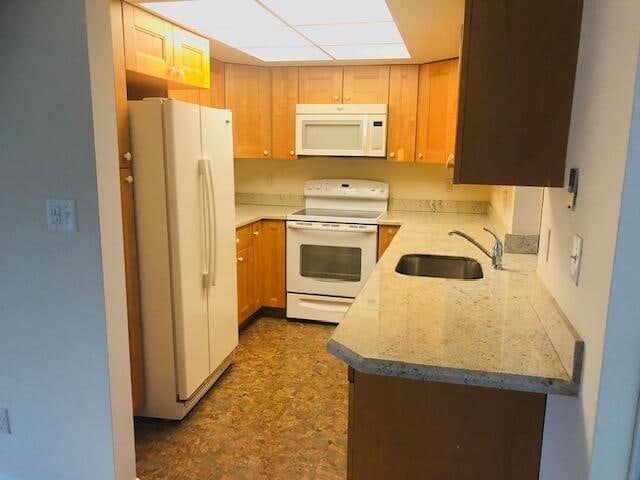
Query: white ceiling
{"points": [[430, 30]]}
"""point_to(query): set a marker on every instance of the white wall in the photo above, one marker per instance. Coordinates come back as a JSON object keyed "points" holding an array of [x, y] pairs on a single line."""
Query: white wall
{"points": [[406, 180], [518, 208], [55, 308], [598, 143]]}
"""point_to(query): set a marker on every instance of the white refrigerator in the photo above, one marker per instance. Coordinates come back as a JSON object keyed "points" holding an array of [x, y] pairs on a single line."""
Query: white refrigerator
{"points": [[182, 158]]}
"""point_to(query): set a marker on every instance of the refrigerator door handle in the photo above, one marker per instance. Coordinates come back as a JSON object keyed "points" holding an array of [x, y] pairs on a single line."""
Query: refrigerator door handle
{"points": [[211, 225], [203, 168]]}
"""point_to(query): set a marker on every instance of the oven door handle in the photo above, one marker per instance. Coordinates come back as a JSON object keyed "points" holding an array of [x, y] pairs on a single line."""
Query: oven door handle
{"points": [[343, 228], [325, 306]]}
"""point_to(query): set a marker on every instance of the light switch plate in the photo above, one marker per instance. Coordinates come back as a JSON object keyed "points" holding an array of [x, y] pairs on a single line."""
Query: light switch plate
{"points": [[61, 214], [576, 258]]}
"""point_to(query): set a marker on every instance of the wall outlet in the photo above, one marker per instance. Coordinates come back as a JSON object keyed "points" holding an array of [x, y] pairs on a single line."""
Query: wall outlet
{"points": [[546, 256], [270, 179], [4, 421], [576, 258]]}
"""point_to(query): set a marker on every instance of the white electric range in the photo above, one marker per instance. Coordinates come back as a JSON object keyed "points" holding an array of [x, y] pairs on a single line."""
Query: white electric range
{"points": [[332, 246]]}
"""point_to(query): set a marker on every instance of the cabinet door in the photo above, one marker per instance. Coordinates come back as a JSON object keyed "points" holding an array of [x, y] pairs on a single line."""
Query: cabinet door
{"points": [[191, 58], [148, 43], [133, 289], [403, 103], [120, 83], [273, 263], [256, 233], [320, 85], [385, 236], [366, 84], [248, 95], [516, 87], [284, 95], [244, 263], [437, 103], [216, 92]]}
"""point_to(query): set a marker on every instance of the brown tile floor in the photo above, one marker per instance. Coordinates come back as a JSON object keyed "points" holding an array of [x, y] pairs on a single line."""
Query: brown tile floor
{"points": [[280, 412]]}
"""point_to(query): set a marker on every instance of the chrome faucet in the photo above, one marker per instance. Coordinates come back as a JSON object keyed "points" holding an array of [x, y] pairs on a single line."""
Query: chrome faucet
{"points": [[496, 253]]}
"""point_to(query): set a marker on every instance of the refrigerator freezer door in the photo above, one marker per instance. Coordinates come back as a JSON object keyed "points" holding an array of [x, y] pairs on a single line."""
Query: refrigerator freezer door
{"points": [[186, 202], [217, 148]]}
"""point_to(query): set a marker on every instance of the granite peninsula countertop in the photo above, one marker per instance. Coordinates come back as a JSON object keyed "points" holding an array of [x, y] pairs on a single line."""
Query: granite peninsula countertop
{"points": [[486, 332], [503, 331]]}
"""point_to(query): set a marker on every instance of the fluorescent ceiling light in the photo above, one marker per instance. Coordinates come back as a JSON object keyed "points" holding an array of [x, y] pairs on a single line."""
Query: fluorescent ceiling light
{"points": [[318, 12], [352, 33], [355, 52], [293, 30], [284, 54]]}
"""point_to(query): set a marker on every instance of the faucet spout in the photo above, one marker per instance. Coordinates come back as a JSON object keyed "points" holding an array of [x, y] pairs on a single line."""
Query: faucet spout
{"points": [[495, 255]]}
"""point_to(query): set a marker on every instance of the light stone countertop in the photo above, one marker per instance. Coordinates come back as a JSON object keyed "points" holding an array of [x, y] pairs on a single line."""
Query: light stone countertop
{"points": [[476, 332], [484, 332], [246, 214]]}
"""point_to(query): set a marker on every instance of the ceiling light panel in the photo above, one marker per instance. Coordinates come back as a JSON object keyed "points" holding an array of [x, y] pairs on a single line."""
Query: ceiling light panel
{"points": [[260, 37], [355, 52], [287, 54], [318, 12], [352, 33]]}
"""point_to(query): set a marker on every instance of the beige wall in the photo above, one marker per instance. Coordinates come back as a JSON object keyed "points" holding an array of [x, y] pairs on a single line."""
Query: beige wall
{"points": [[517, 208], [573, 448], [410, 180]]}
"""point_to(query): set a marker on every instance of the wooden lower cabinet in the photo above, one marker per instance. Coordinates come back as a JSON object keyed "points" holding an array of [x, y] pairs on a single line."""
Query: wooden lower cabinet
{"points": [[133, 290], [385, 235], [244, 262], [402, 428], [273, 264], [261, 267]]}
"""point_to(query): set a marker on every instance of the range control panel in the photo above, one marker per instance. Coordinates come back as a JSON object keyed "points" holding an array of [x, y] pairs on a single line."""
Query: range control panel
{"points": [[351, 188]]}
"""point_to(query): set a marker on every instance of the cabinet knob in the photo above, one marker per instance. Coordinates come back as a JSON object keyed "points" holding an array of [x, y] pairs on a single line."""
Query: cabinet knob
{"points": [[450, 161], [265, 152], [256, 233], [181, 72], [240, 259], [292, 153], [237, 240], [336, 97], [127, 156], [392, 154], [347, 97], [128, 179], [172, 69], [419, 155]]}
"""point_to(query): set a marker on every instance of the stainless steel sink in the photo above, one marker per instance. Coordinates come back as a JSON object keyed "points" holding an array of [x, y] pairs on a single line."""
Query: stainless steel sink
{"points": [[441, 266]]}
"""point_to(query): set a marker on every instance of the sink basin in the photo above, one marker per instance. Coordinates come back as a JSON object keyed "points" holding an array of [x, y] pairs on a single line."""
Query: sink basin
{"points": [[441, 266]]}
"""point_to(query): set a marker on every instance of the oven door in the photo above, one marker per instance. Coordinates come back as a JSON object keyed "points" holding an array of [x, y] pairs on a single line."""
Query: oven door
{"points": [[329, 258]]}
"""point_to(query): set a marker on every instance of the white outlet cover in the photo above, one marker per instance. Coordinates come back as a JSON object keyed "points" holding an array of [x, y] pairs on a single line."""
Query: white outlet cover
{"points": [[576, 258], [61, 215]]}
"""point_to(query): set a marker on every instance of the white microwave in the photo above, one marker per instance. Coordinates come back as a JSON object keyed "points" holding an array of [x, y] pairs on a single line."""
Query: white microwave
{"points": [[341, 130]]}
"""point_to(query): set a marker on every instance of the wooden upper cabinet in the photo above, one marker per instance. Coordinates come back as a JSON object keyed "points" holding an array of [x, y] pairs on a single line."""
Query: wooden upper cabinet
{"points": [[156, 48], [191, 58], [148, 42], [320, 85], [516, 87], [401, 121], [248, 95], [120, 83], [437, 111], [366, 84], [216, 92], [284, 96]]}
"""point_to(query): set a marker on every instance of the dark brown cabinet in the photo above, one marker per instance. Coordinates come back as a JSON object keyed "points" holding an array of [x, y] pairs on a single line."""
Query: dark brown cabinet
{"points": [[516, 88]]}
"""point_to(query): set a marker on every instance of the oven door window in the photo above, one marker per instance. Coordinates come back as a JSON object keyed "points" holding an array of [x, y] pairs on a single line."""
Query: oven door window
{"points": [[331, 263]]}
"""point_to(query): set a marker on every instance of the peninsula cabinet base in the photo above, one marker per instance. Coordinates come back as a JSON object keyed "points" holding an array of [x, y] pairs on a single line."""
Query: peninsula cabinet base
{"points": [[409, 429]]}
